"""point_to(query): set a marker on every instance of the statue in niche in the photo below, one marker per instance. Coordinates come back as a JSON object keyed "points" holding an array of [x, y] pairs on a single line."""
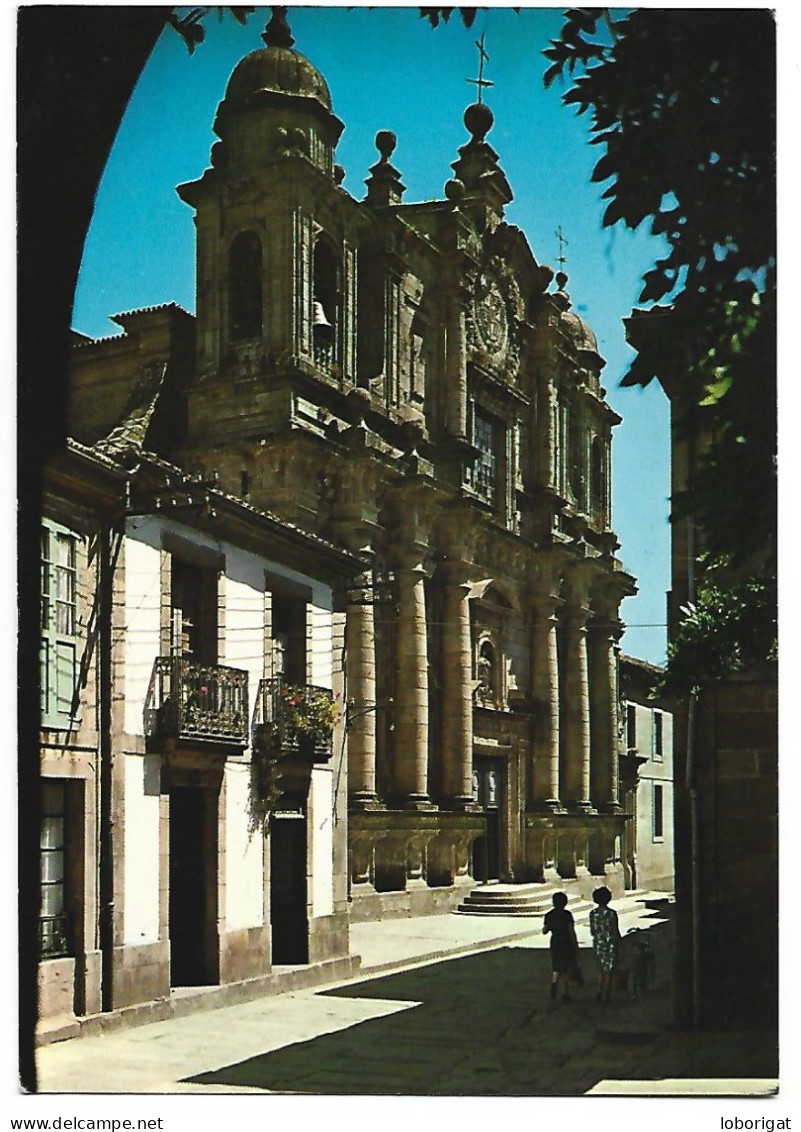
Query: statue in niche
{"points": [[486, 674]]}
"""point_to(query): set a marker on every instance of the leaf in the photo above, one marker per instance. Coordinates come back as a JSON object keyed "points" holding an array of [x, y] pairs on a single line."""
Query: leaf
{"points": [[717, 390], [657, 283], [586, 18], [551, 74], [605, 168], [241, 14], [575, 94]]}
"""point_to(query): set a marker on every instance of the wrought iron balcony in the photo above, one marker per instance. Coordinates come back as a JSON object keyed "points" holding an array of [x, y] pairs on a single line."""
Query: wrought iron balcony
{"points": [[198, 702], [294, 719]]}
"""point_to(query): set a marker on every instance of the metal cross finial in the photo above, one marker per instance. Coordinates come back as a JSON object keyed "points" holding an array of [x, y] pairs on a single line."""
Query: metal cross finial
{"points": [[483, 58], [560, 259]]}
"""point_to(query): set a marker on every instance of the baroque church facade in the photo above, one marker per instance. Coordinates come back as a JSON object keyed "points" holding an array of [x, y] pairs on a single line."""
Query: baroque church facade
{"points": [[404, 386]]}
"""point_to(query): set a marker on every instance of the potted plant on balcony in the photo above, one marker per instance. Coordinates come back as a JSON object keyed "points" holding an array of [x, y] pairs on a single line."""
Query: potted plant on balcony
{"points": [[307, 716], [302, 722]]}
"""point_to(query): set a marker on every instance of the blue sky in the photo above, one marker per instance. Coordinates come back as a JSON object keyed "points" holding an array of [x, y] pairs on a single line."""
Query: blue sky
{"points": [[388, 69]]}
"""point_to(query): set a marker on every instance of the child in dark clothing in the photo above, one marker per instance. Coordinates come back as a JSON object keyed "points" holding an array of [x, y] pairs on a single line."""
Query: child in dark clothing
{"points": [[564, 945]]}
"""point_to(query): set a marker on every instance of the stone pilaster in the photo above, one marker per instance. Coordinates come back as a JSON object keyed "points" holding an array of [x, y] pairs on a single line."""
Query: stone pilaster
{"points": [[456, 409], [411, 688], [603, 653], [547, 449], [543, 777], [575, 733], [457, 682]]}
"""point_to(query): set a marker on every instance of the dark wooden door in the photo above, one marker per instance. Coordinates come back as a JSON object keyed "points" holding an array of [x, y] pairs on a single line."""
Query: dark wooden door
{"points": [[288, 912], [188, 887]]}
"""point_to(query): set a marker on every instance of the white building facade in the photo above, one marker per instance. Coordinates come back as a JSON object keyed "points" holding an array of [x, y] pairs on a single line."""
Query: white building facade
{"points": [[646, 778], [192, 748]]}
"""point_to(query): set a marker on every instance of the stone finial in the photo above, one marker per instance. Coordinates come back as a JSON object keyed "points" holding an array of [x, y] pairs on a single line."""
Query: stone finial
{"points": [[544, 276], [455, 190], [384, 185], [278, 33], [385, 142], [479, 120], [487, 190], [561, 280]]}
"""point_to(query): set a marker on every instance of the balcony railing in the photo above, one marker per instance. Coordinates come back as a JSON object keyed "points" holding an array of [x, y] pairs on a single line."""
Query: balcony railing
{"points": [[199, 702], [295, 719]]}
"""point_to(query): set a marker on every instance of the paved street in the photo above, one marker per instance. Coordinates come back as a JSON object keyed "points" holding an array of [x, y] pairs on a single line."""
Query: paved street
{"points": [[478, 1020]]}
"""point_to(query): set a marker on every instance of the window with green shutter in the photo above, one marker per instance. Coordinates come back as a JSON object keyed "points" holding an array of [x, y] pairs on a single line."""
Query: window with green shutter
{"points": [[59, 616]]}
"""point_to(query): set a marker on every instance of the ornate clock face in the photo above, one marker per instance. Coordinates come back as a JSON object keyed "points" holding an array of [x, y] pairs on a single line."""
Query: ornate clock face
{"points": [[491, 319]]}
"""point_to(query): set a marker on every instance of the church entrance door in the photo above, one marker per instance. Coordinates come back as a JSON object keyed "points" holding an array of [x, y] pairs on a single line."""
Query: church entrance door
{"points": [[488, 785]]}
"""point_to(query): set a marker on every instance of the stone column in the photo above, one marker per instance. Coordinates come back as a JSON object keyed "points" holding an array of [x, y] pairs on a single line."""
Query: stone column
{"points": [[457, 681], [543, 775], [604, 703], [361, 693], [575, 736], [411, 688]]}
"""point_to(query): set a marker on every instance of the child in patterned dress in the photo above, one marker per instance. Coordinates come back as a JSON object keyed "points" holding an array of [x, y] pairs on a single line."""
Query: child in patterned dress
{"points": [[605, 939]]}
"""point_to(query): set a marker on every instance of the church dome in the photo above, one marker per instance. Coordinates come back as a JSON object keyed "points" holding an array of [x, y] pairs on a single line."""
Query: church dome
{"points": [[579, 332], [277, 70]]}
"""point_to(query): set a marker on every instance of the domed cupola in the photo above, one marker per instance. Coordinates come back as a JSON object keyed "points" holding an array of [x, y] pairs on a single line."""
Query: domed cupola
{"points": [[577, 331], [276, 104]]}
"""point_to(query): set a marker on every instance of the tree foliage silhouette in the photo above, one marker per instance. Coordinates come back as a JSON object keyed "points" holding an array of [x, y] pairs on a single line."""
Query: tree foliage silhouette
{"points": [[682, 106]]}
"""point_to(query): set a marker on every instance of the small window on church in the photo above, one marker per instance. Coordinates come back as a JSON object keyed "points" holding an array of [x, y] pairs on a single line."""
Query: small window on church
{"points": [[597, 477], [487, 470], [576, 456], [245, 287], [417, 359]]}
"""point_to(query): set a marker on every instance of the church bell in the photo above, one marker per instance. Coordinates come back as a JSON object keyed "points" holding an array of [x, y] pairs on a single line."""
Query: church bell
{"points": [[320, 323]]}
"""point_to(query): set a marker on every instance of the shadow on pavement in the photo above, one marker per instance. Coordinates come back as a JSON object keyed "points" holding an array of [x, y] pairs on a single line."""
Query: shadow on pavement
{"points": [[484, 1025]]}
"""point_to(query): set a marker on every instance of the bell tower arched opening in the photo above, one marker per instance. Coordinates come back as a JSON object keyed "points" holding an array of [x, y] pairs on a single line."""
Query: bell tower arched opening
{"points": [[245, 288], [598, 487], [326, 288]]}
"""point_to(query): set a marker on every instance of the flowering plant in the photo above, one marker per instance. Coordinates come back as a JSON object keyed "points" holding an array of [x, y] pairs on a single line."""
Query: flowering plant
{"points": [[307, 712], [297, 719]]}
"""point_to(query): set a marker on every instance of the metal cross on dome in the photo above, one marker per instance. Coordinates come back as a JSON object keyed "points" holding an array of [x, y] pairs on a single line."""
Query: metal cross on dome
{"points": [[560, 259], [483, 58]]}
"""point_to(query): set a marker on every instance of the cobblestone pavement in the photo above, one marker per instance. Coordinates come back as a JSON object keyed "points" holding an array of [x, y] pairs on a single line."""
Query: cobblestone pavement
{"points": [[475, 1024]]}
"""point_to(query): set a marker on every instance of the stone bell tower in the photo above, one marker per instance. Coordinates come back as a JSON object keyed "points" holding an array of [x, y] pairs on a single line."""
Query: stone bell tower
{"points": [[276, 270]]}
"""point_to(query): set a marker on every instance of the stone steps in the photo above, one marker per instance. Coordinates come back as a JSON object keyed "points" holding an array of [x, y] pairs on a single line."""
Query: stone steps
{"points": [[517, 900], [535, 900]]}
